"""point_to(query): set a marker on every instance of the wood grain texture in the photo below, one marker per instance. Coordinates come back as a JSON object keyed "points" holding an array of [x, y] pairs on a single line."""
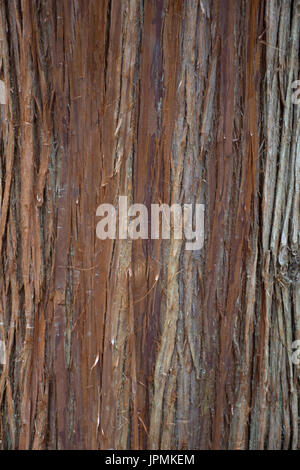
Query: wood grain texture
{"points": [[144, 345]]}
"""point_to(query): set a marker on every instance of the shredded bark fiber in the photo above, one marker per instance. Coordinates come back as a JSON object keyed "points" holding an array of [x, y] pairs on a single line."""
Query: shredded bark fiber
{"points": [[144, 345]]}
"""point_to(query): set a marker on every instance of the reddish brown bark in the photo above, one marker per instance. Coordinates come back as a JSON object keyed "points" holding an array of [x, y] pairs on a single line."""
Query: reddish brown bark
{"points": [[144, 345]]}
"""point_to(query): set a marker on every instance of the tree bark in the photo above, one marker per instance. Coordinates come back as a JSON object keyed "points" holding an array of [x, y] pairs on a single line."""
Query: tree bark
{"points": [[142, 344]]}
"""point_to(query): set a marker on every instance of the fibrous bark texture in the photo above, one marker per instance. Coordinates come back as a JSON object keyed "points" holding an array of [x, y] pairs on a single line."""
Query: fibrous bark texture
{"points": [[142, 344]]}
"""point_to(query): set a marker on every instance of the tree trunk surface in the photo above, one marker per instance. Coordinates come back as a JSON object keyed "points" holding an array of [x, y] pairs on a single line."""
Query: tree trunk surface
{"points": [[143, 344]]}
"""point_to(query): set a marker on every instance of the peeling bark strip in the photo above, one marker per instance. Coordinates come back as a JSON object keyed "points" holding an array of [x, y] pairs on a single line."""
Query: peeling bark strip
{"points": [[143, 345]]}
